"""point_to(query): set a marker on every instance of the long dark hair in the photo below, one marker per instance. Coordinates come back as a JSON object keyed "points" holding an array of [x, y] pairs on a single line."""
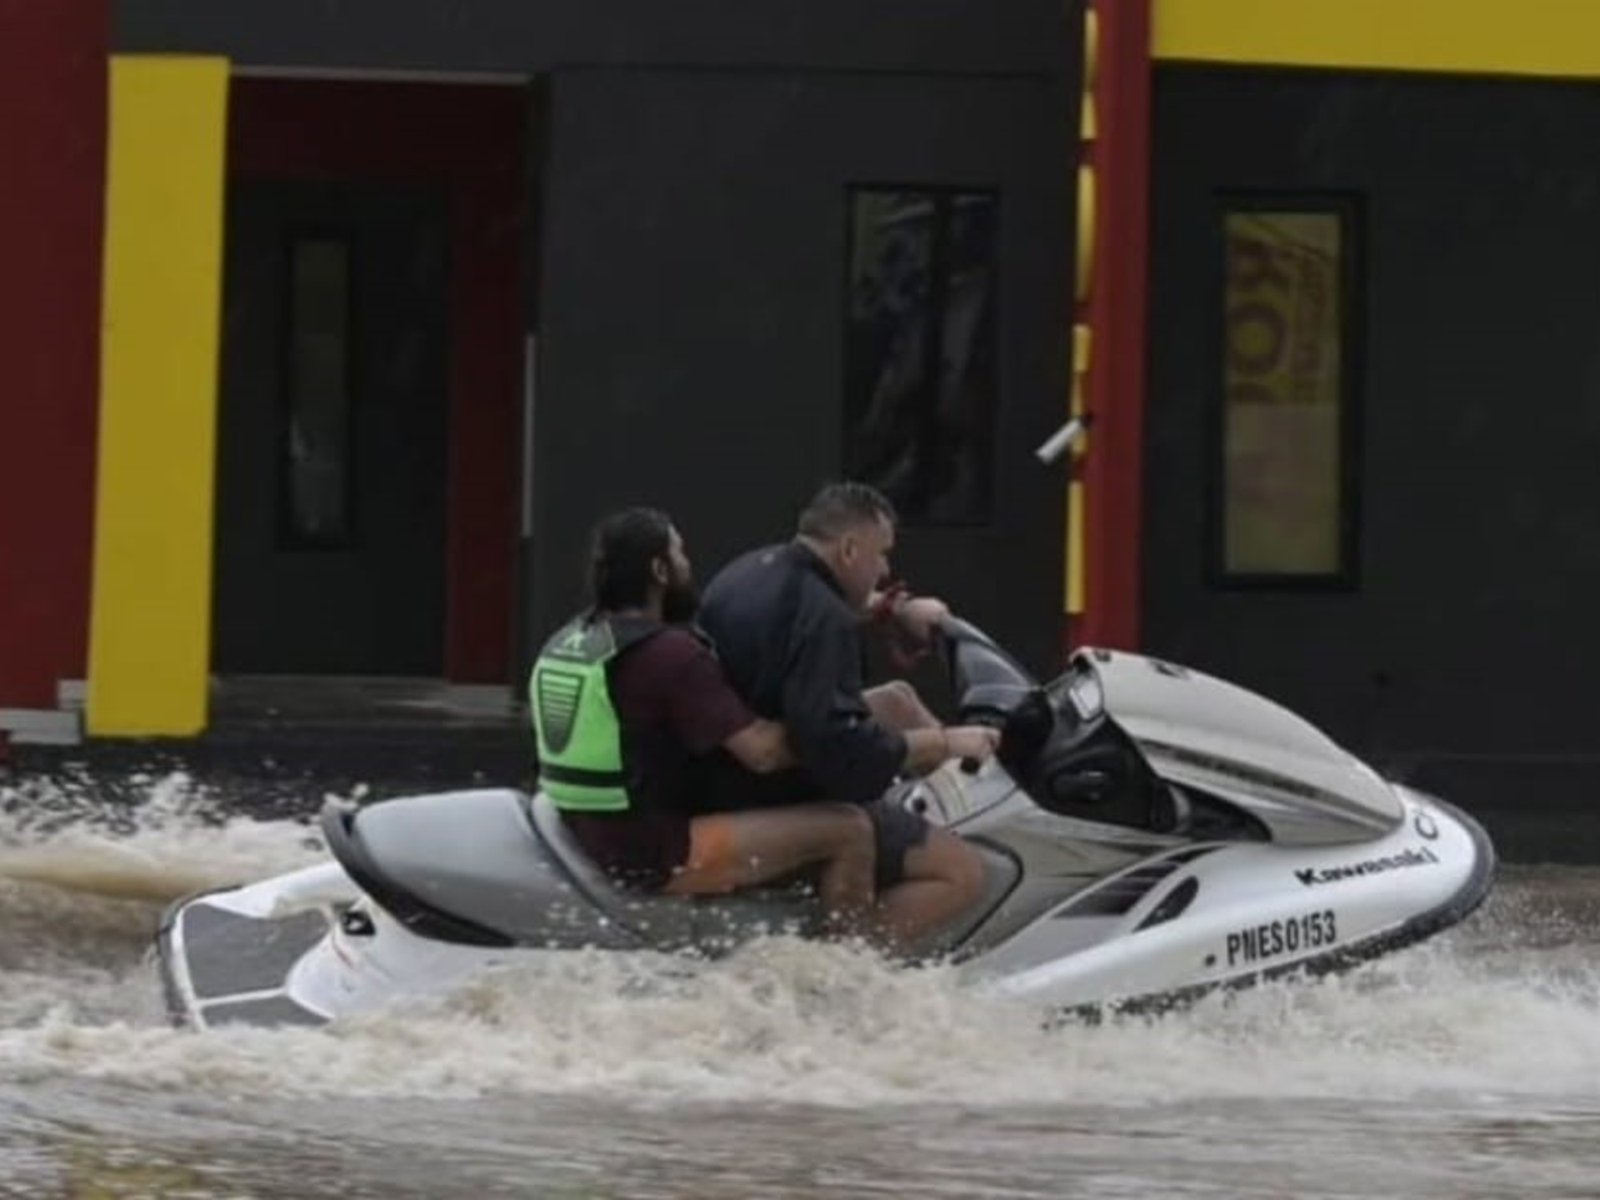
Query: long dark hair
{"points": [[625, 545]]}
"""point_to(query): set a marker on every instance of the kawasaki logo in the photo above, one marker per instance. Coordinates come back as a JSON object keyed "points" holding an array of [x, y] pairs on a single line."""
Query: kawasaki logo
{"points": [[1421, 857]]}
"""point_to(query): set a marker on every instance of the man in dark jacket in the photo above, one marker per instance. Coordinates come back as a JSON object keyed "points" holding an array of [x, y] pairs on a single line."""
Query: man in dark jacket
{"points": [[787, 621]]}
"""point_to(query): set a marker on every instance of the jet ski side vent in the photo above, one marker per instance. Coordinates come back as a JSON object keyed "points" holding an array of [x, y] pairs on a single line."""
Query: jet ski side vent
{"points": [[1117, 896], [1172, 904]]}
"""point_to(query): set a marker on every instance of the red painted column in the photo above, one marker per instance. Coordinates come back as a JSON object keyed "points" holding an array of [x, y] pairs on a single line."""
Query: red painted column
{"points": [[53, 64], [1113, 469]]}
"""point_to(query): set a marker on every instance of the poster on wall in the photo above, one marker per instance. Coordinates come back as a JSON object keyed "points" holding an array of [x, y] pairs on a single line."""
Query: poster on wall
{"points": [[1283, 394]]}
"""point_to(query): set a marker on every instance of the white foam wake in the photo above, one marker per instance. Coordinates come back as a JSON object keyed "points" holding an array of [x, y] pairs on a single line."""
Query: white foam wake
{"points": [[1509, 1005], [175, 840], [803, 1023]]}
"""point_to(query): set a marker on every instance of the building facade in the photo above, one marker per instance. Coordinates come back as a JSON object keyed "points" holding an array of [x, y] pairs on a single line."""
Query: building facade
{"points": [[391, 301], [327, 345], [1371, 414]]}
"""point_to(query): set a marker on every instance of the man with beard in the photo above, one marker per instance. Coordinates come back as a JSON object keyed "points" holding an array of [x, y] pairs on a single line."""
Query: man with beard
{"points": [[627, 695]]}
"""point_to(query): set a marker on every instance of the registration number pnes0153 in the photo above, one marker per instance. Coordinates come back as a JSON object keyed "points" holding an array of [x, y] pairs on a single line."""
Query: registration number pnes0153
{"points": [[1274, 939]]}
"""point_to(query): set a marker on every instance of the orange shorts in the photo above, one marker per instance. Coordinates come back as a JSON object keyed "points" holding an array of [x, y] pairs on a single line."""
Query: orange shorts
{"points": [[713, 867]]}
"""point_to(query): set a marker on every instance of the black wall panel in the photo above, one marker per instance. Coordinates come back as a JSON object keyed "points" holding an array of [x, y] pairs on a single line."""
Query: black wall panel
{"points": [[537, 35], [693, 291], [1467, 657]]}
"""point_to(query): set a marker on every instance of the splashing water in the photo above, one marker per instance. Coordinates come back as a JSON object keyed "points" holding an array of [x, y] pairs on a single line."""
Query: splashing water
{"points": [[178, 840], [828, 1026], [1469, 1067], [1505, 1006]]}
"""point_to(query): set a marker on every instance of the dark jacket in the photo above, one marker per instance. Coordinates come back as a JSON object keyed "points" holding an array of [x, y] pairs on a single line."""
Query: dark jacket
{"points": [[791, 646]]}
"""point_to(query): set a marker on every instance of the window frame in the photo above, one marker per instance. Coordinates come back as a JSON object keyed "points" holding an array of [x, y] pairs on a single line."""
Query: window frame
{"points": [[290, 537], [943, 195], [1349, 208]]}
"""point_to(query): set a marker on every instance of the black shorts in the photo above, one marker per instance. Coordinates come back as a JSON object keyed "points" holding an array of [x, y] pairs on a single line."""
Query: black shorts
{"points": [[897, 831], [726, 787]]}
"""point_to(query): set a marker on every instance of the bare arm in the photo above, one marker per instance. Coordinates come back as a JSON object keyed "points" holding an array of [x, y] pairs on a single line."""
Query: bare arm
{"points": [[927, 748], [762, 746]]}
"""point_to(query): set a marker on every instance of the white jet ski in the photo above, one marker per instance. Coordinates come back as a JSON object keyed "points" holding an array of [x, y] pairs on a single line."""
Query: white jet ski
{"points": [[1150, 833]]}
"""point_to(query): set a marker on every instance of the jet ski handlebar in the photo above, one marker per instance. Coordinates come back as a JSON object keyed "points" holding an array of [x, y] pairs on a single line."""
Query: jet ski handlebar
{"points": [[993, 689], [989, 683], [1065, 752]]}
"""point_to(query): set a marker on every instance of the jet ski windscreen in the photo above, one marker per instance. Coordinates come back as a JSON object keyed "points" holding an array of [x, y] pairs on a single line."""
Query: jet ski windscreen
{"points": [[1060, 745]]}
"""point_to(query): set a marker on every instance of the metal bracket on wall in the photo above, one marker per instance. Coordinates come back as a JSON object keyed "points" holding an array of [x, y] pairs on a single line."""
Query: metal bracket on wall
{"points": [[1058, 442]]}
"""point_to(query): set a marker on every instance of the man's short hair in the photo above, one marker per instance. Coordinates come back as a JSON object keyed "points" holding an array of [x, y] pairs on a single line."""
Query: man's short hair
{"points": [[840, 507]]}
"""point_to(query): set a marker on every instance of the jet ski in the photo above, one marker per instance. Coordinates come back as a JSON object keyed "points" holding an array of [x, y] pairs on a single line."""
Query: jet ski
{"points": [[1149, 834]]}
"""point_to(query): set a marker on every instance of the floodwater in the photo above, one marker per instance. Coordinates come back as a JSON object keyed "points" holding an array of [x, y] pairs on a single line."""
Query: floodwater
{"points": [[1469, 1067]]}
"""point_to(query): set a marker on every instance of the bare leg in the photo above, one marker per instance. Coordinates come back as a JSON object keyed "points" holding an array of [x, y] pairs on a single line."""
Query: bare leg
{"points": [[943, 878], [734, 850]]}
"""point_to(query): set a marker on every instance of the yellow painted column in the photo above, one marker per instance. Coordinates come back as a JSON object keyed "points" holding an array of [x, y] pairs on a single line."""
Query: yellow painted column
{"points": [[150, 618], [1075, 590], [1077, 593]]}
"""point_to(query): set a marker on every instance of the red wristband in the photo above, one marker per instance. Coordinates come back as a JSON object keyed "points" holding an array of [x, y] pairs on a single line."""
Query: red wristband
{"points": [[883, 607]]}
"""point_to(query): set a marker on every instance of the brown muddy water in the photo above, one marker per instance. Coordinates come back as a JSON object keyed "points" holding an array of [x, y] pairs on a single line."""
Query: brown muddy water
{"points": [[1469, 1067]]}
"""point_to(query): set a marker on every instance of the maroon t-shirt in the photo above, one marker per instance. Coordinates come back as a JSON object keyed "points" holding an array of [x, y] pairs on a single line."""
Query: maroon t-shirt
{"points": [[673, 705]]}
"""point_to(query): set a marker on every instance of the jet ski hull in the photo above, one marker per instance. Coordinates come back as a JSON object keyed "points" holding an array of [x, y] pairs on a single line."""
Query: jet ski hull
{"points": [[1241, 915], [1180, 920]]}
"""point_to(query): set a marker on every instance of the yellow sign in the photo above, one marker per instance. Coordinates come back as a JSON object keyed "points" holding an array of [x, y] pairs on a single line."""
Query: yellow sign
{"points": [[1282, 359]]}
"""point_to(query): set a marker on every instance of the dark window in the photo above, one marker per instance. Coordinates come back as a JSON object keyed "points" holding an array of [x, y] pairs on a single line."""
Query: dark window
{"points": [[314, 504], [920, 386], [1286, 504]]}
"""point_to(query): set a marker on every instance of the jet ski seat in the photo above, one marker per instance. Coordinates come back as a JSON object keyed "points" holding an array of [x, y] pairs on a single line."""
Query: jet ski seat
{"points": [[498, 867], [674, 922], [723, 921], [471, 872]]}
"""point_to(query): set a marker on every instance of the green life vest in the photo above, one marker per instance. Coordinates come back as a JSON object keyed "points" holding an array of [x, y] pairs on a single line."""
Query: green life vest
{"points": [[581, 762]]}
